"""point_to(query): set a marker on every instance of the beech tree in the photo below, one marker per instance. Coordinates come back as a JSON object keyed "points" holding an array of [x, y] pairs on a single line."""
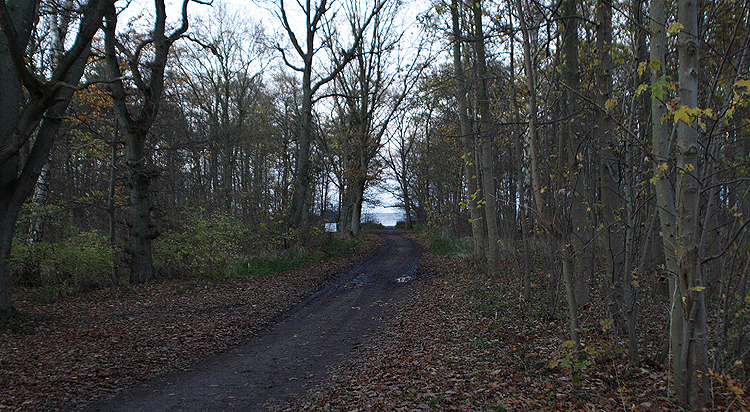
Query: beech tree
{"points": [[694, 391], [136, 114], [486, 133]]}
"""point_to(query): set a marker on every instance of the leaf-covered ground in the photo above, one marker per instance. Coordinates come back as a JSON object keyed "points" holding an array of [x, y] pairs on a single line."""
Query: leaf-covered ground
{"points": [[456, 344], [87, 347]]}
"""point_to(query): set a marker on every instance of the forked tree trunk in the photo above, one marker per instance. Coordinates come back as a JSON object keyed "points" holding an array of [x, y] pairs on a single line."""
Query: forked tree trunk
{"points": [[136, 123], [42, 114]]}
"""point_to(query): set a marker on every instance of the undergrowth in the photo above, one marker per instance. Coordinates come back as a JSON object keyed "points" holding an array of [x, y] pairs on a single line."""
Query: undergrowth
{"points": [[334, 247], [211, 254]]}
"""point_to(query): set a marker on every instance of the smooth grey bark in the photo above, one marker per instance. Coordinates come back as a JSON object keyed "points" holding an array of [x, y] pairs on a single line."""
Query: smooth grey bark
{"points": [[467, 139], [575, 148], [610, 174], [522, 216], [40, 114], [694, 391], [485, 135], [663, 170]]}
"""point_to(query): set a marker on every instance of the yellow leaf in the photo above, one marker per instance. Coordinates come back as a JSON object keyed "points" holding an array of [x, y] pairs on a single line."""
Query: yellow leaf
{"points": [[728, 115], [642, 68], [697, 288], [675, 28], [610, 104], [743, 83], [683, 113], [642, 88]]}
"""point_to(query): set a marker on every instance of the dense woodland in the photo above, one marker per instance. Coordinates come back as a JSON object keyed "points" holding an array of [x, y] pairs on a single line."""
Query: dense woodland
{"points": [[594, 150]]}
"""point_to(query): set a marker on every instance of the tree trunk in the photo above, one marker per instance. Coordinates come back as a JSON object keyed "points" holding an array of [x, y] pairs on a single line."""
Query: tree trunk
{"points": [[522, 214], [11, 99], [136, 123], [140, 176], [576, 149], [111, 207], [467, 140], [302, 179], [485, 132], [663, 168], [42, 114], [536, 185], [613, 236], [694, 392]]}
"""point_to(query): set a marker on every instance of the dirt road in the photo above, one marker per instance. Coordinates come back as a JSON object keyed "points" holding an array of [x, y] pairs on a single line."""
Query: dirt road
{"points": [[295, 351]]}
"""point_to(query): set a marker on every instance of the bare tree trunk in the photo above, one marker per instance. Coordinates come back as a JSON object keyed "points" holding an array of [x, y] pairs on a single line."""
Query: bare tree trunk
{"points": [[613, 237], [663, 169], [42, 113], [522, 215], [136, 124], [111, 207], [302, 179], [467, 140], [563, 246], [58, 21], [41, 191], [575, 149], [485, 132], [694, 392]]}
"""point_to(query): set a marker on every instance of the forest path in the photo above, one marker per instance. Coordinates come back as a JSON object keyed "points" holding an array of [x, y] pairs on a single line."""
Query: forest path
{"points": [[294, 352]]}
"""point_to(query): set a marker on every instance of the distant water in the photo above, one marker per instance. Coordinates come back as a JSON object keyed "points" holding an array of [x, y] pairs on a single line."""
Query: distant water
{"points": [[387, 219]]}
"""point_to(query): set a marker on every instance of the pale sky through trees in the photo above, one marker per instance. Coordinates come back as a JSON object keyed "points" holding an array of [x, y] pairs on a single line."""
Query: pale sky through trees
{"points": [[263, 13]]}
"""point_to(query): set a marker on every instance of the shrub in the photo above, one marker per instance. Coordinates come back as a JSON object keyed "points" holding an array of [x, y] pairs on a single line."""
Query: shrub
{"points": [[208, 245], [82, 261], [323, 246]]}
